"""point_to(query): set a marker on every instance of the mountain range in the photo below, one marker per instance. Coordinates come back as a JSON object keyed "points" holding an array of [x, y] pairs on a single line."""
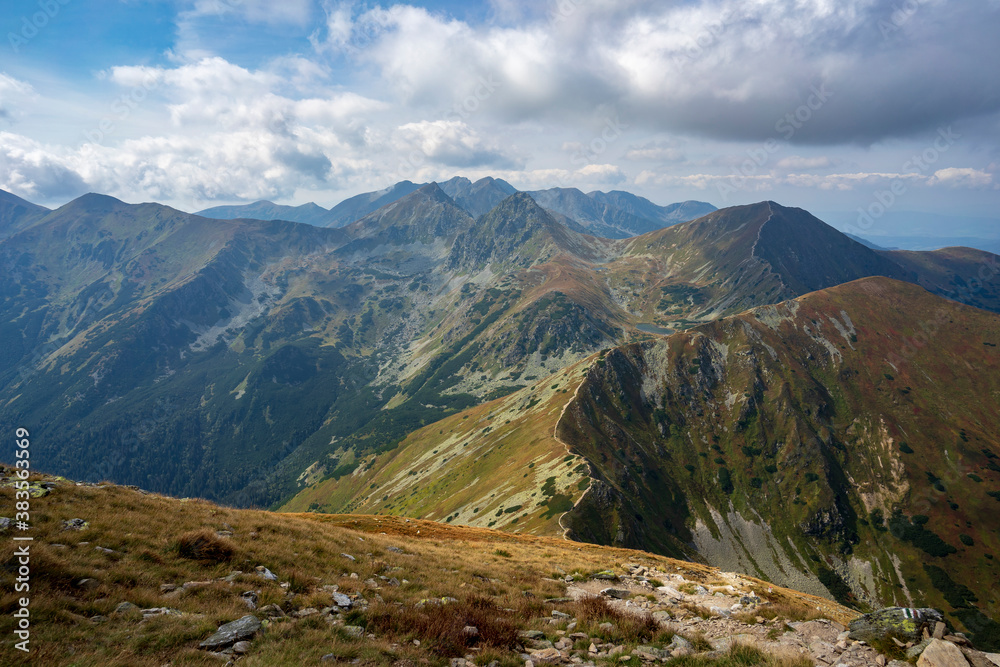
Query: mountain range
{"points": [[610, 215], [477, 358]]}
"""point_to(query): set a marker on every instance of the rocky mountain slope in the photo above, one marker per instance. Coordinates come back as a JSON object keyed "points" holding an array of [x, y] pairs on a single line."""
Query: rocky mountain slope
{"points": [[257, 356], [120, 576], [843, 442]]}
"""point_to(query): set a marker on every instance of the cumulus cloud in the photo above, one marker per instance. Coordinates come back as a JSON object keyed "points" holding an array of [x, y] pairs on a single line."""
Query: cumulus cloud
{"points": [[721, 68], [962, 178], [449, 142], [37, 172]]}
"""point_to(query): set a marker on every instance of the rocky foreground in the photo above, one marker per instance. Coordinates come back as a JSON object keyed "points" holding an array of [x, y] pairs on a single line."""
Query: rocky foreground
{"points": [[122, 577]]}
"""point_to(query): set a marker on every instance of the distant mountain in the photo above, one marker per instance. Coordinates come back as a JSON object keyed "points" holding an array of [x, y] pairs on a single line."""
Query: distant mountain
{"points": [[264, 210], [480, 197], [917, 230], [598, 219], [427, 216], [608, 215], [17, 214], [643, 208], [361, 205], [617, 214]]}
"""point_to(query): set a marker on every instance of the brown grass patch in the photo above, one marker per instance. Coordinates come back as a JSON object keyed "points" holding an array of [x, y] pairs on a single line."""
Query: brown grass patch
{"points": [[205, 546], [443, 625]]}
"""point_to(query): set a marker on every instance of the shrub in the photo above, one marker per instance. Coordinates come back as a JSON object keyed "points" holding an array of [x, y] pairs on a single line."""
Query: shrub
{"points": [[725, 480], [204, 545], [905, 448], [966, 540]]}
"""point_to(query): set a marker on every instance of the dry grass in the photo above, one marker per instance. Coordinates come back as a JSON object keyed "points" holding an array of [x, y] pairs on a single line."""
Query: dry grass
{"points": [[145, 533], [743, 655], [204, 545]]}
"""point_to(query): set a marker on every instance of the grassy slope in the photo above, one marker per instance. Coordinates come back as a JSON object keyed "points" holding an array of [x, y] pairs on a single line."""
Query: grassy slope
{"points": [[481, 569], [472, 468]]}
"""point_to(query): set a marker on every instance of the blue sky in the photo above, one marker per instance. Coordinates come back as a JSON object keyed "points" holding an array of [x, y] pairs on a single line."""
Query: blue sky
{"points": [[832, 106]]}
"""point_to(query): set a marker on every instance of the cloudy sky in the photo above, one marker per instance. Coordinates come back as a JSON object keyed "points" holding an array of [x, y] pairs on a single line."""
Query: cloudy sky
{"points": [[827, 104]]}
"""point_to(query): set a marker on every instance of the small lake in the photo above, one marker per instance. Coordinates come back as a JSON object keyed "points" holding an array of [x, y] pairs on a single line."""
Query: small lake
{"points": [[653, 329]]}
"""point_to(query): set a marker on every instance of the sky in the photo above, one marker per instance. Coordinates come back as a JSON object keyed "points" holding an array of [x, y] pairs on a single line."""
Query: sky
{"points": [[866, 107]]}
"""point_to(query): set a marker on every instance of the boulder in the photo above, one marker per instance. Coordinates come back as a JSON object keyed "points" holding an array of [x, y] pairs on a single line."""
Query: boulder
{"points": [[616, 593], [904, 623], [125, 608], [243, 629], [940, 653], [546, 656]]}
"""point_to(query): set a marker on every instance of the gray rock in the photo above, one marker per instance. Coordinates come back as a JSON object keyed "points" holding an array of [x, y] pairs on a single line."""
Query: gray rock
{"points": [[531, 634], [75, 524], [616, 593], [355, 631], [241, 648], [4, 522], [395, 550], [902, 622], [98, 619], [266, 573], [349, 557], [124, 608], [342, 600], [559, 614], [250, 598], [242, 629], [470, 631]]}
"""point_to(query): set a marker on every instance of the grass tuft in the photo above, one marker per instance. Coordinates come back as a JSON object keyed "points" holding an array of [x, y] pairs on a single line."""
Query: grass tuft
{"points": [[205, 546]]}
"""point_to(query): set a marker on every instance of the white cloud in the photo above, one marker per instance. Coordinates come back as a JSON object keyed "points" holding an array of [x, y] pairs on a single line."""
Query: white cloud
{"points": [[13, 94], [953, 177], [723, 68], [448, 142]]}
